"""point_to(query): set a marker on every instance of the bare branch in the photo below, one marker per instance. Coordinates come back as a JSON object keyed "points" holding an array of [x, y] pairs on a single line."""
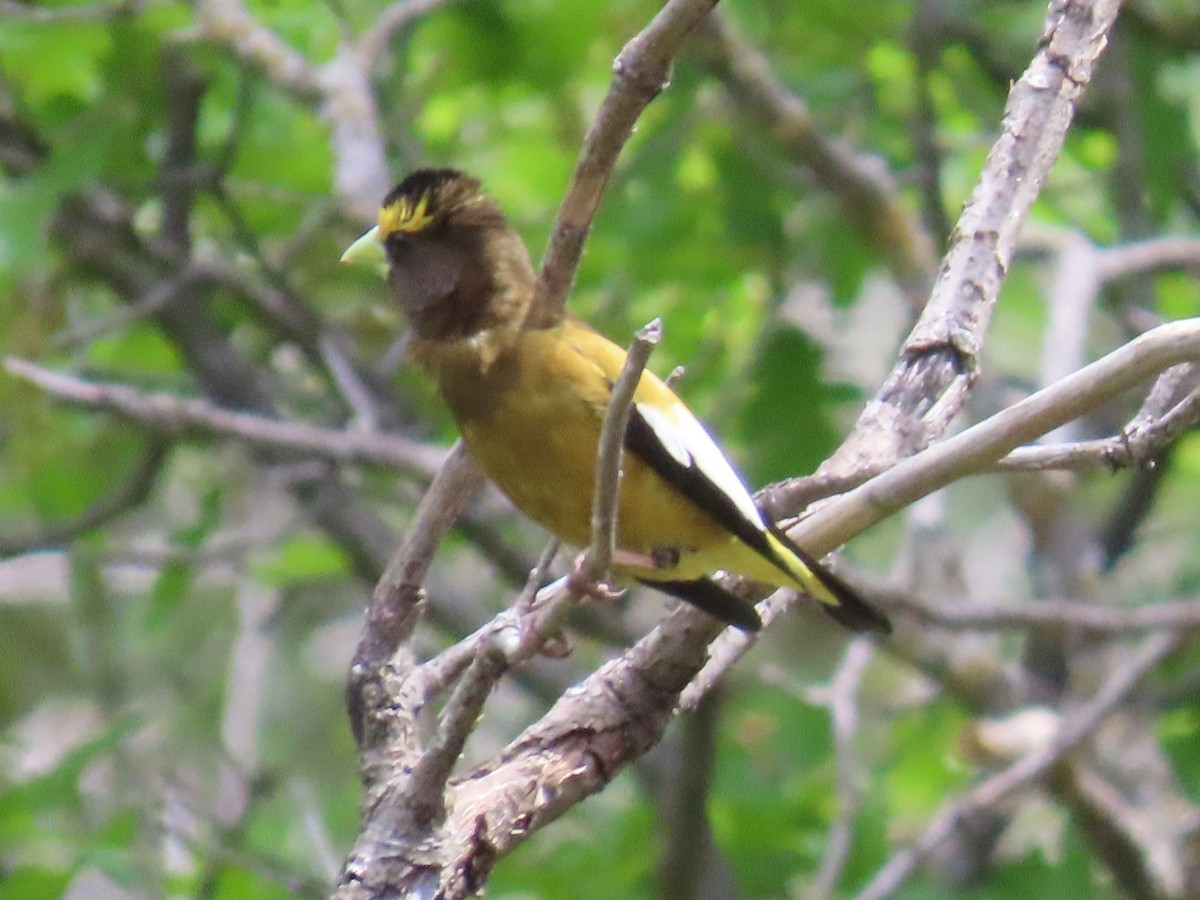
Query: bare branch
{"points": [[549, 613], [938, 363], [229, 22], [171, 415], [406, 781], [339, 91], [396, 17], [385, 702], [149, 304], [610, 449], [1072, 296], [1138, 445], [843, 708], [967, 453], [1156, 255], [130, 495], [88, 12], [1179, 616], [640, 72], [1075, 729], [982, 445]]}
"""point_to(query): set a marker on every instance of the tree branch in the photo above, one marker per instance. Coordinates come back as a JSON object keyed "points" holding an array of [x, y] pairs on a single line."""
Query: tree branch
{"points": [[404, 834], [939, 361], [862, 184], [1073, 731], [969, 452], [130, 495], [843, 709], [640, 72], [169, 415]]}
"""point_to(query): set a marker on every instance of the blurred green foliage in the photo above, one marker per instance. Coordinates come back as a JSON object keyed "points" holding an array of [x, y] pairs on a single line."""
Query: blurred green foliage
{"points": [[123, 656]]}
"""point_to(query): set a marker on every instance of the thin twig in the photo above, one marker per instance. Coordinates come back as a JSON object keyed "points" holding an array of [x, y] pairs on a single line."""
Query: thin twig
{"points": [[90, 12], [550, 613], [149, 304], [175, 416], [1182, 615], [1024, 771], [1154, 255], [132, 494], [1070, 300], [230, 23], [433, 767], [843, 708], [610, 450], [373, 41], [356, 395]]}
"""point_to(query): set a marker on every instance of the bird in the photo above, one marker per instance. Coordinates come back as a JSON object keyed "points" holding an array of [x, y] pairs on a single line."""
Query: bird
{"points": [[529, 393]]}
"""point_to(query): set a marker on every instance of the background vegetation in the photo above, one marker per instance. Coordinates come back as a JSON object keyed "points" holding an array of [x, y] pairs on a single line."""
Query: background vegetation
{"points": [[181, 592]]}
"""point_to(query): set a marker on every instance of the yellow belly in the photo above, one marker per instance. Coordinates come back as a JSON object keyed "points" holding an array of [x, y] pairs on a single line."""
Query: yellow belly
{"points": [[537, 440]]}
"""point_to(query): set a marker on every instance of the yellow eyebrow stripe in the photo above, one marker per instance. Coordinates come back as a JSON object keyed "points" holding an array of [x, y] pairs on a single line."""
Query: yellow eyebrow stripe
{"points": [[404, 216]]}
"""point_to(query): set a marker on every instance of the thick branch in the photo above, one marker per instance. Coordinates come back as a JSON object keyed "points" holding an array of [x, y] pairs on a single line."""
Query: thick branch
{"points": [[939, 361]]}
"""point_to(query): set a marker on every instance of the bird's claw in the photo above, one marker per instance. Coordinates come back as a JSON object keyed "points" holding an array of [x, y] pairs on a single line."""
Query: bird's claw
{"points": [[579, 582]]}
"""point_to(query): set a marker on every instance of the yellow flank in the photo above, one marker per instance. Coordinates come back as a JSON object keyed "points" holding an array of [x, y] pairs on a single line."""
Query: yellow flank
{"points": [[532, 422]]}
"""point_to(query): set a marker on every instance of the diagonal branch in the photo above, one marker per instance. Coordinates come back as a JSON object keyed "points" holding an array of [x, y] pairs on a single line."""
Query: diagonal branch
{"points": [[939, 361], [640, 72], [972, 451], [1026, 770], [132, 494], [862, 184]]}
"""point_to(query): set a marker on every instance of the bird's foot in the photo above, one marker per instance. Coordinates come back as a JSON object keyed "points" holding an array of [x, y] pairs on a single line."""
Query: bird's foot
{"points": [[579, 582]]}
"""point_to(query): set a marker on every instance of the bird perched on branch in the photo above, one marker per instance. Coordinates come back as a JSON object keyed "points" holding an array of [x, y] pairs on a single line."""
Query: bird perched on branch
{"points": [[530, 396]]}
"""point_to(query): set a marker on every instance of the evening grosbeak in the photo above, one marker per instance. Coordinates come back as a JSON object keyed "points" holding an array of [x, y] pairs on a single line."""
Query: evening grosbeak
{"points": [[529, 398]]}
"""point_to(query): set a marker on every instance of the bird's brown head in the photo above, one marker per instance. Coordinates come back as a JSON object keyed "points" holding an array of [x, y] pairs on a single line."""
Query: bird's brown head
{"points": [[454, 262]]}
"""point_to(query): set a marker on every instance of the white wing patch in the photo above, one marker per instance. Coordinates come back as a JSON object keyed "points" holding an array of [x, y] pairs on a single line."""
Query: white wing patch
{"points": [[682, 435]]}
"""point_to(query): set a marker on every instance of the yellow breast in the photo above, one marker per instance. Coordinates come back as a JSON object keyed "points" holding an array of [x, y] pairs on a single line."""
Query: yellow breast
{"points": [[532, 421]]}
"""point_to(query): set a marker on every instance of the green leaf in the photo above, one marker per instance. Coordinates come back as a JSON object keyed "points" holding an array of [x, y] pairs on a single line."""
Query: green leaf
{"points": [[59, 60], [300, 558], [783, 423], [177, 576], [33, 883]]}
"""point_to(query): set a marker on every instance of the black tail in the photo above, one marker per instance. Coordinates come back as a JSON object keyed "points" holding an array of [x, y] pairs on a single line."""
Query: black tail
{"points": [[851, 611], [706, 594]]}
